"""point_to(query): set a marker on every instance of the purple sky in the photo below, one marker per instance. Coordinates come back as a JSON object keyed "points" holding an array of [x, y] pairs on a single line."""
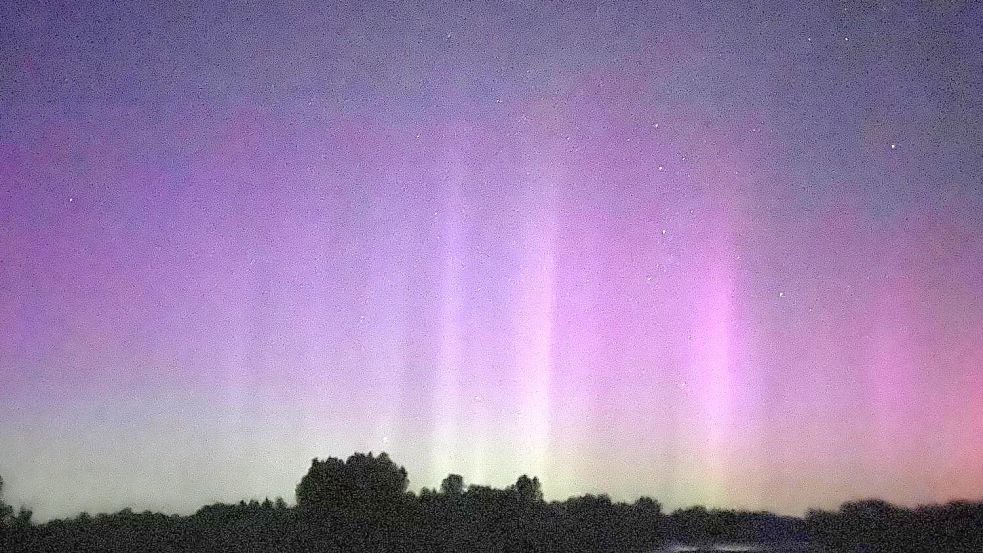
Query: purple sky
{"points": [[731, 257]]}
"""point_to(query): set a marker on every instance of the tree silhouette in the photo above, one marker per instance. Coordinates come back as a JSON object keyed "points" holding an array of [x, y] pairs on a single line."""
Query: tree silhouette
{"points": [[362, 500], [647, 520], [361, 481], [528, 489], [361, 505], [693, 524], [5, 510], [453, 485], [23, 518]]}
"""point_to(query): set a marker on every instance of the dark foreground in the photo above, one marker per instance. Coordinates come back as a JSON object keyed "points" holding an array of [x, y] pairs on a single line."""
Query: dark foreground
{"points": [[362, 505], [800, 547]]}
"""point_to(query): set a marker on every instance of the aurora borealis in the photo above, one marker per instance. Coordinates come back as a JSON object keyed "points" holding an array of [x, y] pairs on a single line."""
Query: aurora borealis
{"points": [[720, 255]]}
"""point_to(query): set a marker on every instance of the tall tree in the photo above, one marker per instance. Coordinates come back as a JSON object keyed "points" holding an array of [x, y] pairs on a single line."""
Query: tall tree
{"points": [[452, 485], [528, 489], [5, 510], [363, 481]]}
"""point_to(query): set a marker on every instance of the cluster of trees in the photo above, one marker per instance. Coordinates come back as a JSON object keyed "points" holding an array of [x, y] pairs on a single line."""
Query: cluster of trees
{"points": [[10, 521], [875, 525], [362, 504]]}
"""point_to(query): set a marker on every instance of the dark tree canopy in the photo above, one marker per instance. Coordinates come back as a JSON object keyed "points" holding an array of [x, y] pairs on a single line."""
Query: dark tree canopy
{"points": [[361, 481], [5, 510], [453, 485], [528, 489], [361, 505]]}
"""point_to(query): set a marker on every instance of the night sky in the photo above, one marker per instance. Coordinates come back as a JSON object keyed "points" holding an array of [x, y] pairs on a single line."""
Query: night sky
{"points": [[720, 255]]}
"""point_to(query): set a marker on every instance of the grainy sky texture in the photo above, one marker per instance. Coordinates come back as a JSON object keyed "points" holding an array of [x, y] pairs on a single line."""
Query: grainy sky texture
{"points": [[729, 255]]}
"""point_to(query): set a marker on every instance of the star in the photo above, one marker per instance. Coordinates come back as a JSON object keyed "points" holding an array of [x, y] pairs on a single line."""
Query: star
{"points": [[894, 146]]}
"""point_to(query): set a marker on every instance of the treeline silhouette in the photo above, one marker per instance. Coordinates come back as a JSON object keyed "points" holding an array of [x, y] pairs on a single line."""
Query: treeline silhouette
{"points": [[362, 505]]}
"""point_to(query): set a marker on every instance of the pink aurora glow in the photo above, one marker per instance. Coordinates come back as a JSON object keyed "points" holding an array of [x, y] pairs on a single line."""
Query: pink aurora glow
{"points": [[614, 287]]}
